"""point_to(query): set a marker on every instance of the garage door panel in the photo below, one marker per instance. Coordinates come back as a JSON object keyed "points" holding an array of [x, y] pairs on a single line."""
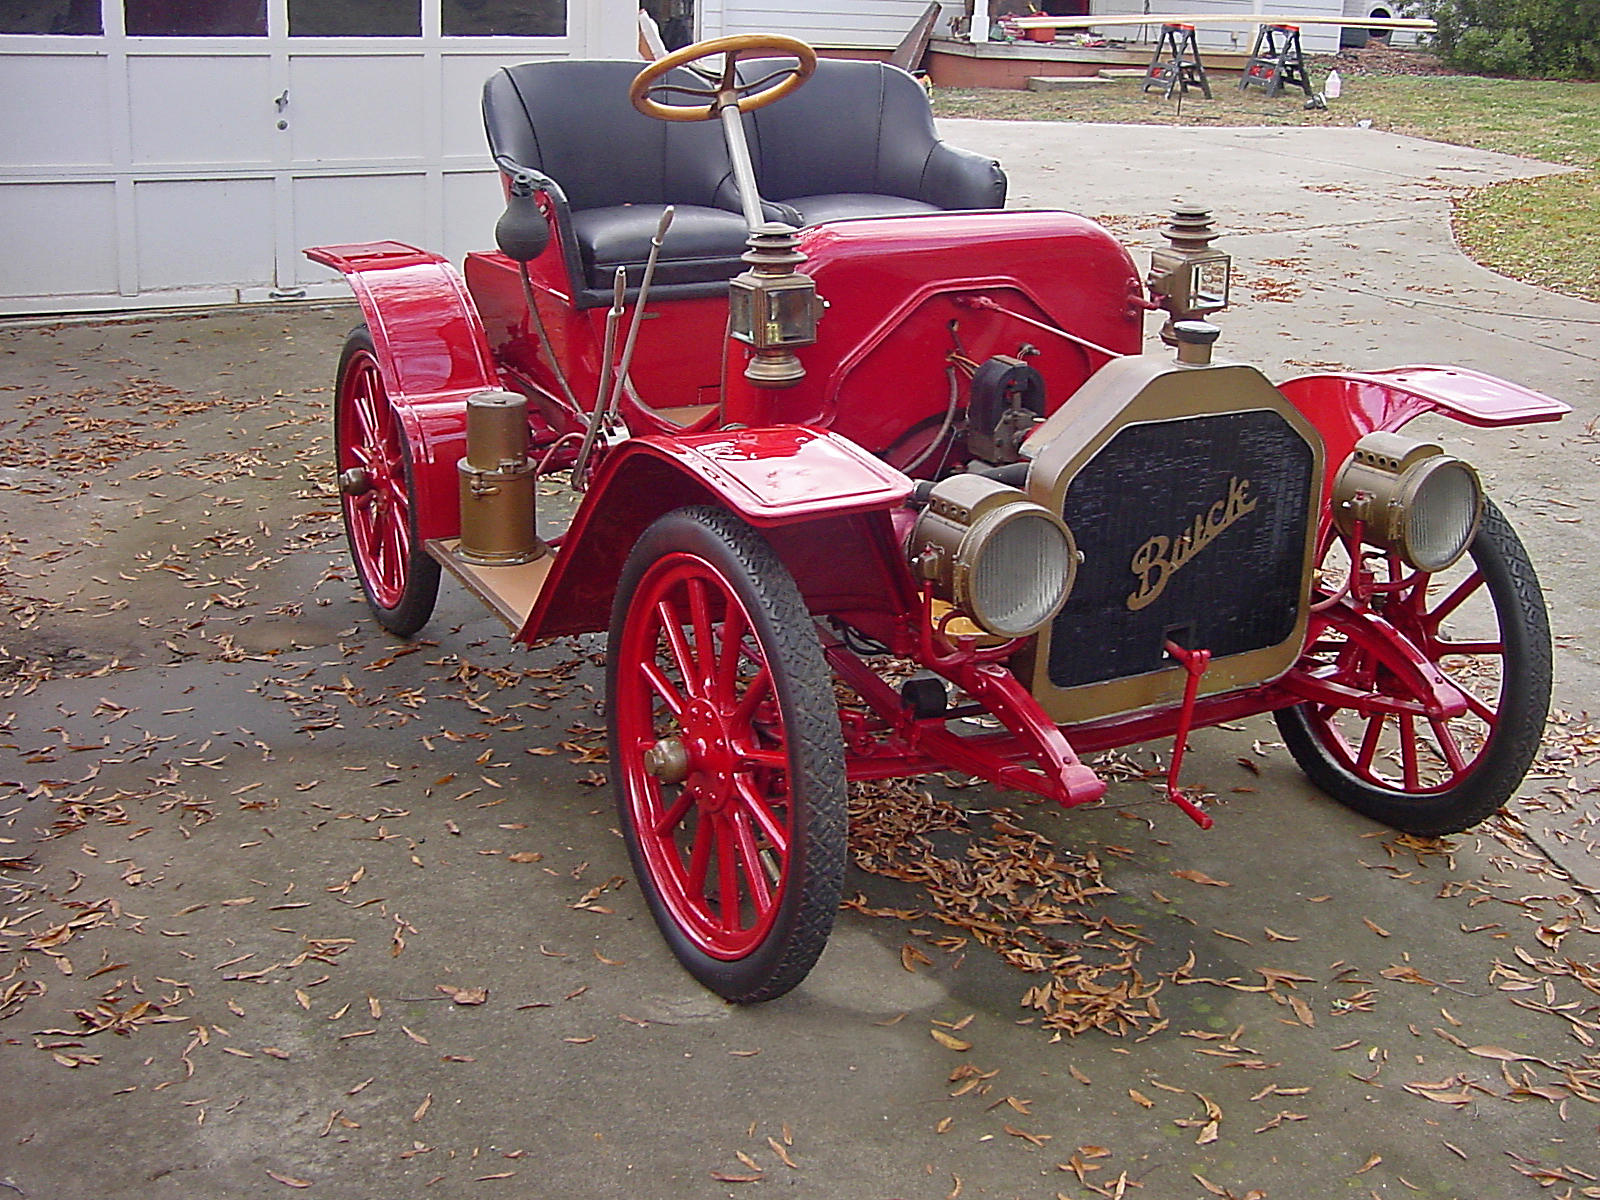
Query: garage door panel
{"points": [[462, 100], [335, 210], [81, 257], [343, 108], [57, 110], [193, 232], [472, 204], [205, 109]]}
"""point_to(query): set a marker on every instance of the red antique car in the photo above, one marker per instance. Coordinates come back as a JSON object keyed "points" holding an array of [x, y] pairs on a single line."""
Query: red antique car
{"points": [[875, 479]]}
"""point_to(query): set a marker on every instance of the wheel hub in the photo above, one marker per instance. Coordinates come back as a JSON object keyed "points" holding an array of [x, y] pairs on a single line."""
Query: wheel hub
{"points": [[709, 759], [667, 760], [357, 481]]}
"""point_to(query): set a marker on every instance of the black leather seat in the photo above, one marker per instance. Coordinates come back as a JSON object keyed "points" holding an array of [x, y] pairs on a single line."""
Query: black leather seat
{"points": [[858, 141], [611, 172]]}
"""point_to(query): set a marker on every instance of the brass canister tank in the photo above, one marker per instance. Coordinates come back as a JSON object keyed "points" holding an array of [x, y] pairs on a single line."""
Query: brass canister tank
{"points": [[496, 482]]}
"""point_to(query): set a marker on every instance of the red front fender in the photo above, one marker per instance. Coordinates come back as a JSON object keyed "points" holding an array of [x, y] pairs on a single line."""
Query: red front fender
{"points": [[819, 498], [431, 349], [1346, 406]]}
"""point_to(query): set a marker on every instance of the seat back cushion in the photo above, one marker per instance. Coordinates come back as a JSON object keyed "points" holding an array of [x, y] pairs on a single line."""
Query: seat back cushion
{"points": [[571, 119], [856, 126]]}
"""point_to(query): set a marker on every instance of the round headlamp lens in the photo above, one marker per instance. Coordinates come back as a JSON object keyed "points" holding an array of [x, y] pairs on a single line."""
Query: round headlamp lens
{"points": [[1442, 514], [1019, 565]]}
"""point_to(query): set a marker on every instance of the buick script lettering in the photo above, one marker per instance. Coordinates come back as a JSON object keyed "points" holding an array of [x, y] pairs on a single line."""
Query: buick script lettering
{"points": [[1160, 558]]}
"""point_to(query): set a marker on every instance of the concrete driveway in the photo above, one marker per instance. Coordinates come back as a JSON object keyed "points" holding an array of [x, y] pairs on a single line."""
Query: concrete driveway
{"points": [[261, 859]]}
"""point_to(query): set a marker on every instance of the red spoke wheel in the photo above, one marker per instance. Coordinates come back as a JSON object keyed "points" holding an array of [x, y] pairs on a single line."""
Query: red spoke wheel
{"points": [[1483, 623], [728, 762], [377, 492]]}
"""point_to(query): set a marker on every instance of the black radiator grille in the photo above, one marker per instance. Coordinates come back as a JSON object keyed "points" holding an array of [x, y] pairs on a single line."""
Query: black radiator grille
{"points": [[1192, 529]]}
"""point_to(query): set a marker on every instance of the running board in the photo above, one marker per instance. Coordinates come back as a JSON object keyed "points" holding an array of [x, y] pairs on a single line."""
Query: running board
{"points": [[510, 591]]}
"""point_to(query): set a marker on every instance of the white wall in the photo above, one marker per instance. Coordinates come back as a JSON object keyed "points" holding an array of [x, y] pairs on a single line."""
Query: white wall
{"points": [[873, 24]]}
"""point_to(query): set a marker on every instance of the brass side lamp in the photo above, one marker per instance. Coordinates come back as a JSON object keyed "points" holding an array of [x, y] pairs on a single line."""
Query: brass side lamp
{"points": [[1189, 278], [773, 308]]}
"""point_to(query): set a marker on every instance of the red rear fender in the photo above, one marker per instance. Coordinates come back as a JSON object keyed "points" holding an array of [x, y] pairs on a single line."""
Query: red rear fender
{"points": [[820, 500], [433, 354]]}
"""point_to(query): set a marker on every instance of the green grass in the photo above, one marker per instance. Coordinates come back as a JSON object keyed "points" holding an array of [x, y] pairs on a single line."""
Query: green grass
{"points": [[1543, 231]]}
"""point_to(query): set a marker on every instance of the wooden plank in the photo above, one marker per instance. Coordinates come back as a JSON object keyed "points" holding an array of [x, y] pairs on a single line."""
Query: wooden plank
{"points": [[909, 53], [1409, 23], [510, 591]]}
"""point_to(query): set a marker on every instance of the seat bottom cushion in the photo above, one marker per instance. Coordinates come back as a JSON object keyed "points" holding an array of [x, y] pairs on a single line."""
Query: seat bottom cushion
{"points": [[702, 246], [813, 210]]}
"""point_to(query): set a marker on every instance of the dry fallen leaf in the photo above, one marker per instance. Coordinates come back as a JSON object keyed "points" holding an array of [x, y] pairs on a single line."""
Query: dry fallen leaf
{"points": [[782, 1152], [290, 1180], [948, 1042], [910, 956], [1201, 877]]}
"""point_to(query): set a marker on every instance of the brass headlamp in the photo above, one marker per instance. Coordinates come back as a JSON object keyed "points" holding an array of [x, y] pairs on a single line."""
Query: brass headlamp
{"points": [[1410, 497], [773, 308], [1004, 561]]}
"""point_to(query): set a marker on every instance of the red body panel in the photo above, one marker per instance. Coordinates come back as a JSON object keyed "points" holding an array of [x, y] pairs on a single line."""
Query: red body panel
{"points": [[432, 351], [772, 478], [678, 357], [893, 286]]}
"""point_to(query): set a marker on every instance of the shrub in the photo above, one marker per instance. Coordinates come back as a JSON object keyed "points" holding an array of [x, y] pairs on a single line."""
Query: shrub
{"points": [[1551, 38]]}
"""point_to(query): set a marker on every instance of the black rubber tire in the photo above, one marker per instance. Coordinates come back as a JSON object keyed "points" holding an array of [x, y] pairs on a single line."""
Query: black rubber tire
{"points": [[807, 895], [411, 608], [1498, 770]]}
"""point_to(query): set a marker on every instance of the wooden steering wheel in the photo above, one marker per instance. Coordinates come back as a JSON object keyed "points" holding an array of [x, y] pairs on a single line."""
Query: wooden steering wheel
{"points": [[728, 90]]}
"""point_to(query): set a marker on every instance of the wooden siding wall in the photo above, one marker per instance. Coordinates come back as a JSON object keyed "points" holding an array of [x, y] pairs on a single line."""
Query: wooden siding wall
{"points": [[872, 24]]}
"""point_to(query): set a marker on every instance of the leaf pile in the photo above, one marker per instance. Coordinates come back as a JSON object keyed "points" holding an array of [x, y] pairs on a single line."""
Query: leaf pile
{"points": [[1017, 893]]}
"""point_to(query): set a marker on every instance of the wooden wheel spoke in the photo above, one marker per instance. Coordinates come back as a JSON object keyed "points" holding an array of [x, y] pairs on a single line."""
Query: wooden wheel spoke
{"points": [[663, 687], [1480, 708], [699, 860], [1369, 743], [1486, 649], [671, 625], [1448, 746], [674, 815], [1456, 598], [734, 628], [774, 758], [364, 406], [772, 827], [727, 874], [755, 871], [704, 639], [756, 691], [1408, 752]]}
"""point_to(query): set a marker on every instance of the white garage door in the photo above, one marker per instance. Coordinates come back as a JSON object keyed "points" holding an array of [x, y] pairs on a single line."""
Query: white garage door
{"points": [[175, 152]]}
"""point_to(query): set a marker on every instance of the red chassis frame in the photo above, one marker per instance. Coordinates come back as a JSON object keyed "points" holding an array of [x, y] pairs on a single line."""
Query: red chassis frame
{"points": [[808, 466]]}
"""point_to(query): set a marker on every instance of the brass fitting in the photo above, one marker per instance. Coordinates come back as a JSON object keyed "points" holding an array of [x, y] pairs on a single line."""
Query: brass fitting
{"points": [[496, 484], [1188, 278]]}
